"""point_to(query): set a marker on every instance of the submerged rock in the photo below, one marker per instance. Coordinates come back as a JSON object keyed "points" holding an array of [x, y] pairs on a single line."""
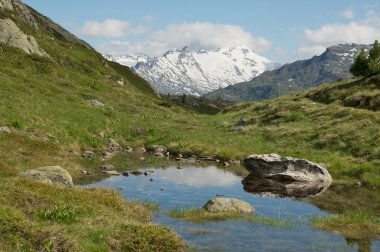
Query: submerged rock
{"points": [[54, 175], [228, 205], [275, 167], [283, 189]]}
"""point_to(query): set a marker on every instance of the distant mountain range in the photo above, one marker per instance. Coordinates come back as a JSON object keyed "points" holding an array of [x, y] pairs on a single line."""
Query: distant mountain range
{"points": [[183, 71], [332, 65]]}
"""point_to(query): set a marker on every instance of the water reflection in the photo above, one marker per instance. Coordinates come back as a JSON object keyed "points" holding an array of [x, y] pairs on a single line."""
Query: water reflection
{"points": [[200, 177], [268, 187]]}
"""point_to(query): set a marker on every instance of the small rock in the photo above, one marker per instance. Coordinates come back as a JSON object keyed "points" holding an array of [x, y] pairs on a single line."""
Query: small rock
{"points": [[141, 158], [107, 167], [136, 173], [235, 162], [111, 173], [226, 164], [148, 173], [140, 149], [106, 155], [54, 175], [228, 205], [151, 180], [219, 195], [180, 156], [88, 154], [161, 189], [126, 174], [5, 129], [120, 82], [159, 154], [241, 122], [157, 149], [179, 167], [358, 183], [95, 103], [128, 149], [113, 146], [236, 129]]}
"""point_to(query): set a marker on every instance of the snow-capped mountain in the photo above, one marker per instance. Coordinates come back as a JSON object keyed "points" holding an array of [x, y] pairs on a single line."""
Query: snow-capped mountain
{"points": [[330, 66], [129, 60], [183, 71]]}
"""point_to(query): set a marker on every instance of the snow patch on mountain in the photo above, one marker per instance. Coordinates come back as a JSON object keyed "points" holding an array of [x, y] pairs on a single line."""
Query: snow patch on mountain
{"points": [[129, 60], [183, 71]]}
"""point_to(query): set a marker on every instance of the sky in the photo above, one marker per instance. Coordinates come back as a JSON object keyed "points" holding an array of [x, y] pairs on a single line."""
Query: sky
{"points": [[283, 31]]}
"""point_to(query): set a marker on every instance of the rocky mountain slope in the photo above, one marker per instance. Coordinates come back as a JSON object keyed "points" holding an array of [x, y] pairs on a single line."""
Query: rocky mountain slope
{"points": [[330, 66], [183, 71]]}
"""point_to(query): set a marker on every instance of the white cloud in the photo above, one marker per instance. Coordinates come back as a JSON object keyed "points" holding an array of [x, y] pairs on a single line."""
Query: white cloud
{"points": [[198, 35], [364, 31], [349, 14], [110, 28], [354, 32]]}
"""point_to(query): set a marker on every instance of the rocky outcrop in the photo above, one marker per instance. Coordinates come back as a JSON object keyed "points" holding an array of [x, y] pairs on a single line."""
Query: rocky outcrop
{"points": [[283, 189], [53, 175], [228, 205], [10, 34], [275, 167], [6, 5]]}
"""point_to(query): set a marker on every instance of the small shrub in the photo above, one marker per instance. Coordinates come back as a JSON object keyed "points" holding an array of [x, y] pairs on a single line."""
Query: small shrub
{"points": [[16, 123]]}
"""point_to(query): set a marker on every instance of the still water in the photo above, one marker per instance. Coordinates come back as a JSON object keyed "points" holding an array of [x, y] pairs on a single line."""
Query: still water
{"points": [[190, 187]]}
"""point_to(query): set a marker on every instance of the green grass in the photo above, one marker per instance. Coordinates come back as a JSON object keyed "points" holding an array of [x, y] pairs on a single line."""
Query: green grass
{"points": [[76, 219], [203, 216], [354, 225]]}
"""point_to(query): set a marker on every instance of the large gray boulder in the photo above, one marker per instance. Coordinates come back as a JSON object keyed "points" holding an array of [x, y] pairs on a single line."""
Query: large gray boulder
{"points": [[279, 168], [53, 175], [218, 205], [11, 35]]}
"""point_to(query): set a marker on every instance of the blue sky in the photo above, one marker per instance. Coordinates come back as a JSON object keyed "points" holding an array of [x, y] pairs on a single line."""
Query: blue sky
{"points": [[280, 30]]}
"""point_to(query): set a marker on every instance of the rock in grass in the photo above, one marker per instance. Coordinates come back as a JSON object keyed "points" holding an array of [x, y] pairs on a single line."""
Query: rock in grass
{"points": [[218, 205], [279, 168], [95, 103], [53, 175], [88, 154], [236, 129], [5, 129], [108, 167]]}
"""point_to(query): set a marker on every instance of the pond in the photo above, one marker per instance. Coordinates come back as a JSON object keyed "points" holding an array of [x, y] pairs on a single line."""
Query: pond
{"points": [[192, 186]]}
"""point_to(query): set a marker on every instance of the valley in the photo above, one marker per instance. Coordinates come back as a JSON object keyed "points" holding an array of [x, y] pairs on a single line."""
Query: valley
{"points": [[63, 104]]}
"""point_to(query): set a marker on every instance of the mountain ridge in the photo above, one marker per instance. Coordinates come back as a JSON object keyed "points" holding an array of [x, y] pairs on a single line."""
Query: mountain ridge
{"points": [[191, 72], [330, 66]]}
